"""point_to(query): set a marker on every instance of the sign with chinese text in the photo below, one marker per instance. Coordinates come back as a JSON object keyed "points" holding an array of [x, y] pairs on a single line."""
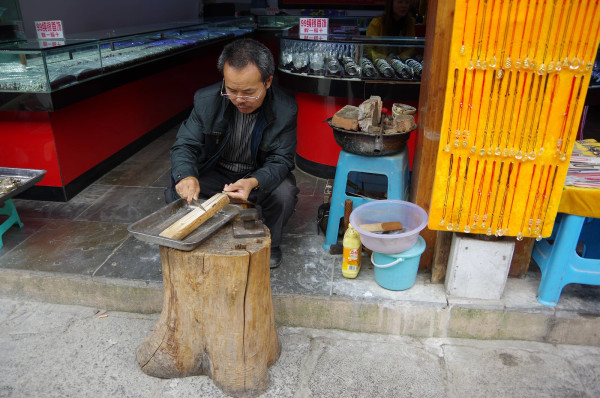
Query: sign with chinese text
{"points": [[314, 26], [51, 43], [312, 37], [49, 29]]}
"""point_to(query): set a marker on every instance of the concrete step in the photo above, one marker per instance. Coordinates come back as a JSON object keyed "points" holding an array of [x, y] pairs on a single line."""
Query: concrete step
{"points": [[358, 305]]}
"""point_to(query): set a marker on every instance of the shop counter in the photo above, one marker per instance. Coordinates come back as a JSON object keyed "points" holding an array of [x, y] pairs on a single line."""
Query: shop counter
{"points": [[326, 75], [79, 107]]}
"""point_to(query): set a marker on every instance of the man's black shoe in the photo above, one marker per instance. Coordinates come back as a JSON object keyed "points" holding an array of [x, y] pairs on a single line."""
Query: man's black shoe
{"points": [[276, 256]]}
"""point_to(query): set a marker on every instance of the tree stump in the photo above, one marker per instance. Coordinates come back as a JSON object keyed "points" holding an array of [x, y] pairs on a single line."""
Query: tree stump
{"points": [[217, 315]]}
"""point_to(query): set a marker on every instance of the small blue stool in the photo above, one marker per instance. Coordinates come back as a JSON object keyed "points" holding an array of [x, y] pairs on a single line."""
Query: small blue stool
{"points": [[9, 210], [559, 262], [394, 167]]}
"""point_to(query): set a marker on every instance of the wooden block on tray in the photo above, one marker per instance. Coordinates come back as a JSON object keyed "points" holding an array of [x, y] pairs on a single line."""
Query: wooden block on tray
{"points": [[188, 223]]}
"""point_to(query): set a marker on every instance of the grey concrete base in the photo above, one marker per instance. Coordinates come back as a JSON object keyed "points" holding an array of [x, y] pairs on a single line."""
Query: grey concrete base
{"points": [[478, 268], [413, 312], [115, 294], [430, 320]]}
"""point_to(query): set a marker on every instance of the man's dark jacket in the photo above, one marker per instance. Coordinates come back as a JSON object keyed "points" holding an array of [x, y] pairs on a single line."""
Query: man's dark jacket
{"points": [[204, 135]]}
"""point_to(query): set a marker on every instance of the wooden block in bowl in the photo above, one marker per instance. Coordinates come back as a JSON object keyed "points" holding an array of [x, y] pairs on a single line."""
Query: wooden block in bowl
{"points": [[346, 118], [382, 226]]}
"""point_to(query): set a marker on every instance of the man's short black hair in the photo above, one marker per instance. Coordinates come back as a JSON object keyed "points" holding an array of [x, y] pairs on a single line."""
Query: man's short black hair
{"points": [[242, 52]]}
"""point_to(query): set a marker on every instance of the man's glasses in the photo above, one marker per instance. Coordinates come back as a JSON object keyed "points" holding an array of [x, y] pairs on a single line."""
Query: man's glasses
{"points": [[247, 98]]}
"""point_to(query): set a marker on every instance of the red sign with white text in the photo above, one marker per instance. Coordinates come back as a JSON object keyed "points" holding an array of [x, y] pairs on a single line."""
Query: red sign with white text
{"points": [[49, 29], [314, 26], [312, 37], [51, 43]]}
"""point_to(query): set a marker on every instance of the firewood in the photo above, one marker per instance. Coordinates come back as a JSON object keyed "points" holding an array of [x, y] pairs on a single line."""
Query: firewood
{"points": [[375, 130], [369, 113], [404, 123], [346, 118], [403, 109]]}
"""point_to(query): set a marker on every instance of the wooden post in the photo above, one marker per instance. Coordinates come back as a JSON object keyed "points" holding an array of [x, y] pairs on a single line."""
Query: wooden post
{"points": [[217, 317], [521, 257], [431, 109]]}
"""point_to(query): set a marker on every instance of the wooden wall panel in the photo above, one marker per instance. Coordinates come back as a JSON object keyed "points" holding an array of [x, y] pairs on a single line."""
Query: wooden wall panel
{"points": [[431, 106]]}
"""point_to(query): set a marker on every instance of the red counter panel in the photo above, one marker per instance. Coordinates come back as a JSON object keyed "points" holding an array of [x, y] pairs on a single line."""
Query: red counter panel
{"points": [[315, 137], [27, 142], [90, 131], [72, 140]]}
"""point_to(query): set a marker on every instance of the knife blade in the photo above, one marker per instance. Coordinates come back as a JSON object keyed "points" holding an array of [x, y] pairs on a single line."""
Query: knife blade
{"points": [[198, 204]]}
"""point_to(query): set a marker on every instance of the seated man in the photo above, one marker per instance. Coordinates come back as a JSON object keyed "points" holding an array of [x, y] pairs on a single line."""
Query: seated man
{"points": [[240, 139]]}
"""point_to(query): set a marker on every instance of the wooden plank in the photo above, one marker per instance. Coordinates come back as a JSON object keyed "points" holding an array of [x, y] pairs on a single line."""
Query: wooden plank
{"points": [[443, 243], [431, 106], [521, 257], [192, 220]]}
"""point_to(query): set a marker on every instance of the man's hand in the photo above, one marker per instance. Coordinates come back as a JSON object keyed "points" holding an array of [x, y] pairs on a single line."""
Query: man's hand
{"points": [[241, 188], [188, 188]]}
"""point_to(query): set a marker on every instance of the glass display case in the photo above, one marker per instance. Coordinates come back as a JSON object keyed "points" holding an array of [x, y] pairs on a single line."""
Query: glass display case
{"points": [[337, 24], [354, 57], [352, 66], [42, 66], [29, 68], [11, 21], [276, 21]]}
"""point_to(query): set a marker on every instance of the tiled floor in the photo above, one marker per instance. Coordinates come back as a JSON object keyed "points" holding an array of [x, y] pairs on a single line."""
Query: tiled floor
{"points": [[87, 236]]}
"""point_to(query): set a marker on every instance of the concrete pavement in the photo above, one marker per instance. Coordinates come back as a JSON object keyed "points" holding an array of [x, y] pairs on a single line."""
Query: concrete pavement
{"points": [[51, 350]]}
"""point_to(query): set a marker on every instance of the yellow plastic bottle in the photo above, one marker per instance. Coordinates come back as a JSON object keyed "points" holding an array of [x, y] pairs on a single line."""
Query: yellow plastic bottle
{"points": [[352, 248]]}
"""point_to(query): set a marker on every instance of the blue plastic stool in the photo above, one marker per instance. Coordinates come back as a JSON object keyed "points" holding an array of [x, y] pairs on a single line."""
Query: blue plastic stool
{"points": [[394, 167], [9, 210], [560, 263]]}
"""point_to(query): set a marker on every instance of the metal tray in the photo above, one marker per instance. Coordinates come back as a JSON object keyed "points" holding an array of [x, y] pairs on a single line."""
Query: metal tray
{"points": [[149, 227], [28, 177]]}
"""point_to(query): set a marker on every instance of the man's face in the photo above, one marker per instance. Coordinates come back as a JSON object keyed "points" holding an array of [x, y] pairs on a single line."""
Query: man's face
{"points": [[246, 81], [401, 7]]}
